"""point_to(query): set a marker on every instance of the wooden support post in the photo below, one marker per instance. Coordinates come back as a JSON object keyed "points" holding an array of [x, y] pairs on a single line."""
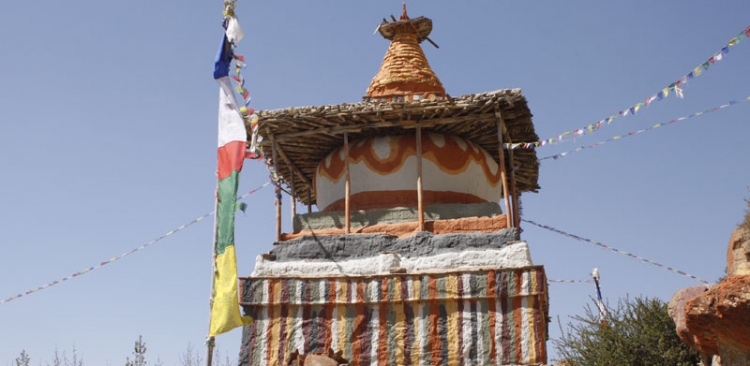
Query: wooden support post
{"points": [[514, 192], [309, 200], [293, 192], [503, 175], [347, 193], [277, 193], [516, 210], [420, 202]]}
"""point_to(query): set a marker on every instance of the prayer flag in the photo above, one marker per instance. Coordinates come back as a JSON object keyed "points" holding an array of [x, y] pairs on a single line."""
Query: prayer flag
{"points": [[225, 310]]}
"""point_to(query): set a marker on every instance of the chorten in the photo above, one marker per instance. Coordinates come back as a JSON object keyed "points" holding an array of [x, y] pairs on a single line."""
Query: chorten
{"points": [[409, 259]]}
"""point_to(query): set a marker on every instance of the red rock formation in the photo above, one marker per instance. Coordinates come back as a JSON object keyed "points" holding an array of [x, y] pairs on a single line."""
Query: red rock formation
{"points": [[677, 305], [717, 321]]}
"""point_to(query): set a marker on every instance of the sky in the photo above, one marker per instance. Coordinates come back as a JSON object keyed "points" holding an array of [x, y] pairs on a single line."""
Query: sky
{"points": [[108, 140]]}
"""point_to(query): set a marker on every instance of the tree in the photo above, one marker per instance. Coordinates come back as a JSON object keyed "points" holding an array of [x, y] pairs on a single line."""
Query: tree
{"points": [[57, 361], [191, 357], [76, 361], [637, 333], [139, 354], [64, 361], [23, 359], [222, 361]]}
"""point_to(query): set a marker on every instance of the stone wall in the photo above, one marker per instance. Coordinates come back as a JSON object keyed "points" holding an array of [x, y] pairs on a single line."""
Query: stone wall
{"points": [[422, 244]]}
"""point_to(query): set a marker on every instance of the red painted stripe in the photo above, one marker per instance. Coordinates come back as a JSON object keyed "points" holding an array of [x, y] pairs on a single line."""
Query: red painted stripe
{"points": [[231, 157], [382, 319], [269, 327], [325, 336]]}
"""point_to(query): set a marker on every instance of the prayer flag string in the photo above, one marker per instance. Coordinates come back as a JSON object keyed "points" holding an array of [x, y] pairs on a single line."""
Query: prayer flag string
{"points": [[615, 138], [123, 255], [618, 251], [570, 281], [675, 87]]}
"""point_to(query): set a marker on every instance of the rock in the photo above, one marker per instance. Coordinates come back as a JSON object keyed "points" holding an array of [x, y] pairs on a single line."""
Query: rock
{"points": [[677, 305], [738, 252], [716, 320], [719, 321], [319, 360]]}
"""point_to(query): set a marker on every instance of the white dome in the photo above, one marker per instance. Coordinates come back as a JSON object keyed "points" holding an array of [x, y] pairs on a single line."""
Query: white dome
{"points": [[383, 173]]}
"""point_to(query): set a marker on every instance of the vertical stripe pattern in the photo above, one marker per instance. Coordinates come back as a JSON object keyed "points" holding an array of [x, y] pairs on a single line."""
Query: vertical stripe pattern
{"points": [[458, 318]]}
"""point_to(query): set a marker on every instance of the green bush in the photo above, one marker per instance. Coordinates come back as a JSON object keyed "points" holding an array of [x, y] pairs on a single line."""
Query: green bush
{"points": [[636, 333]]}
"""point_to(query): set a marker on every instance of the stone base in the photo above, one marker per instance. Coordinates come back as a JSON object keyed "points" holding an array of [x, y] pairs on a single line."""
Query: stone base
{"points": [[421, 244]]}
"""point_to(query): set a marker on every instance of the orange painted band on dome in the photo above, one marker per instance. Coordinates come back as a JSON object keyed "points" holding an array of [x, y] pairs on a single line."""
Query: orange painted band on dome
{"points": [[449, 158], [400, 198]]}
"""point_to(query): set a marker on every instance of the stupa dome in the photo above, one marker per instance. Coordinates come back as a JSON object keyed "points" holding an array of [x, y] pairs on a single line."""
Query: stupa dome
{"points": [[383, 171]]}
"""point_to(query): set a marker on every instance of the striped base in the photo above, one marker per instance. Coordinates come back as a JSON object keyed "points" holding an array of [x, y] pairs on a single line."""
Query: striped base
{"points": [[492, 317]]}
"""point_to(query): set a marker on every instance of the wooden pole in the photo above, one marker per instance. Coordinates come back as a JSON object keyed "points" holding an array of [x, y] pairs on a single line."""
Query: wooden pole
{"points": [[503, 176], [347, 193], [210, 342], [420, 202], [513, 191], [278, 194], [210, 351], [293, 192], [309, 200]]}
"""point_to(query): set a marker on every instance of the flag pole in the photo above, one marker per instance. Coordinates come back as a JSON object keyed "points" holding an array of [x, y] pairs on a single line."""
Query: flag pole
{"points": [[210, 340], [599, 302], [232, 138]]}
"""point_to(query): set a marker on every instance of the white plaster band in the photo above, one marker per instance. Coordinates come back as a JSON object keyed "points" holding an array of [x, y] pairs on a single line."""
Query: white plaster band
{"points": [[512, 256]]}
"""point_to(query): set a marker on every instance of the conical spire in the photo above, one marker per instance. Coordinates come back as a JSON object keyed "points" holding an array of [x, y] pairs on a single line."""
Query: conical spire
{"points": [[405, 74]]}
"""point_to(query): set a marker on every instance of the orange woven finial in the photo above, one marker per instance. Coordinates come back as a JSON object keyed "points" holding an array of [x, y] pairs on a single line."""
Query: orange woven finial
{"points": [[403, 12], [405, 74]]}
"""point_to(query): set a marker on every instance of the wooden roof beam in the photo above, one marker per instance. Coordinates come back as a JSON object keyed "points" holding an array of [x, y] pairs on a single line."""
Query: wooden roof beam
{"points": [[283, 156], [404, 124]]}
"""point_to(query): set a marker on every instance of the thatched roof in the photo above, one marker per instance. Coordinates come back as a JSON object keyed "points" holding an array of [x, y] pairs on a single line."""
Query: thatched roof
{"points": [[305, 135]]}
